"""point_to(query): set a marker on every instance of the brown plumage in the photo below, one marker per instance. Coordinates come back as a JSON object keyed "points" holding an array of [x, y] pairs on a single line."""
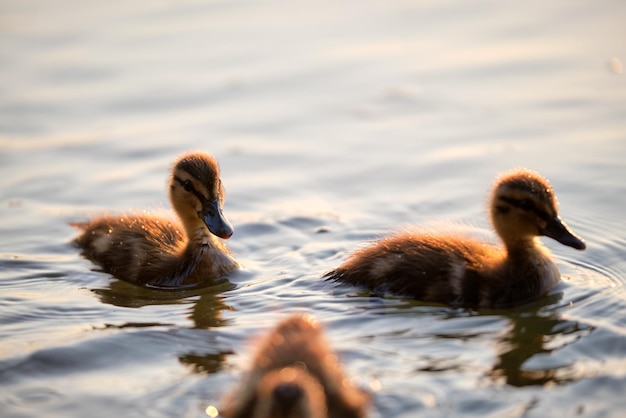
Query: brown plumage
{"points": [[158, 252], [295, 375], [461, 271]]}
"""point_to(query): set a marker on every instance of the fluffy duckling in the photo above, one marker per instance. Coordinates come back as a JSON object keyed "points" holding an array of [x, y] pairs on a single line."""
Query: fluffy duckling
{"points": [[460, 271], [295, 375], [157, 252]]}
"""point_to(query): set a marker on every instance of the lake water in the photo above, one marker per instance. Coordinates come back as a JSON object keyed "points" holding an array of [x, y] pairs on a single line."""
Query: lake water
{"points": [[334, 123]]}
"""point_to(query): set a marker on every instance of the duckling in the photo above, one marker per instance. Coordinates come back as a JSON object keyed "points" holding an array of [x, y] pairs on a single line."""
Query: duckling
{"points": [[295, 375], [157, 252], [461, 271]]}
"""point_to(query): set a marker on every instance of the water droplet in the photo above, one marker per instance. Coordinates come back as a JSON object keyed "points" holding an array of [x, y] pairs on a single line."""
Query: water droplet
{"points": [[211, 411], [375, 385]]}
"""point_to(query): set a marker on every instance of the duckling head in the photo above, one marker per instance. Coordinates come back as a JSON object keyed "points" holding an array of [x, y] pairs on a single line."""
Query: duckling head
{"points": [[197, 194], [523, 206]]}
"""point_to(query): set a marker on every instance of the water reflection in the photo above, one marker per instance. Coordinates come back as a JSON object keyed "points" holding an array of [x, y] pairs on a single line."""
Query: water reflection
{"points": [[536, 337], [205, 311], [207, 303], [205, 363]]}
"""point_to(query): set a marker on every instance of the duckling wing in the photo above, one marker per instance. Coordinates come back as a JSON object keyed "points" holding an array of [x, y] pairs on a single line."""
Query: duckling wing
{"points": [[183, 272]]}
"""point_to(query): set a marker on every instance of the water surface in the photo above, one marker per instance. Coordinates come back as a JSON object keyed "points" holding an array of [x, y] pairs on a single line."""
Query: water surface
{"points": [[334, 123]]}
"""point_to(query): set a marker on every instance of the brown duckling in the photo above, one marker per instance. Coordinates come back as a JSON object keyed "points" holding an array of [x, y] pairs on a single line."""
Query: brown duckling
{"points": [[157, 252], [295, 375], [461, 271]]}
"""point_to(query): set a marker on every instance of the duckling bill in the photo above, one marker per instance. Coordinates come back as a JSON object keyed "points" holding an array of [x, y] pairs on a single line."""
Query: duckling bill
{"points": [[460, 271], [158, 252], [295, 375]]}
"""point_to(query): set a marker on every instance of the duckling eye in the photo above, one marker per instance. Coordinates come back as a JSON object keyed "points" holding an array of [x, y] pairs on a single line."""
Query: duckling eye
{"points": [[526, 204], [187, 185]]}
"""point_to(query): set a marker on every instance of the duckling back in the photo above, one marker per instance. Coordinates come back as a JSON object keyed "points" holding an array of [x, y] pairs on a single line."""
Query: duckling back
{"points": [[441, 269]]}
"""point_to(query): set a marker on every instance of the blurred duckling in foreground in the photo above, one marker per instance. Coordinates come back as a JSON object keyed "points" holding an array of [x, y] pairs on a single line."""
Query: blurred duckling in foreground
{"points": [[460, 271], [157, 252], [295, 375]]}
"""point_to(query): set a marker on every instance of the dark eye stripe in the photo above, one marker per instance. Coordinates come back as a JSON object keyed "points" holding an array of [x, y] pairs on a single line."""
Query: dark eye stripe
{"points": [[191, 189], [526, 205]]}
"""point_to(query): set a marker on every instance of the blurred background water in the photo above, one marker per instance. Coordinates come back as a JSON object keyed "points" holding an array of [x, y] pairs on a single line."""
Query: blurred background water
{"points": [[334, 122]]}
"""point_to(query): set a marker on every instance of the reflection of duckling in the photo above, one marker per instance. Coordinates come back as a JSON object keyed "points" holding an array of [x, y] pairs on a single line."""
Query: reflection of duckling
{"points": [[460, 271], [296, 375], [154, 251]]}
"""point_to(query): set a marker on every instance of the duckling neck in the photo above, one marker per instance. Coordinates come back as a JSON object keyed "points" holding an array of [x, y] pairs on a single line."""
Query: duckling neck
{"points": [[199, 235], [526, 250], [530, 260], [522, 246], [208, 253]]}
